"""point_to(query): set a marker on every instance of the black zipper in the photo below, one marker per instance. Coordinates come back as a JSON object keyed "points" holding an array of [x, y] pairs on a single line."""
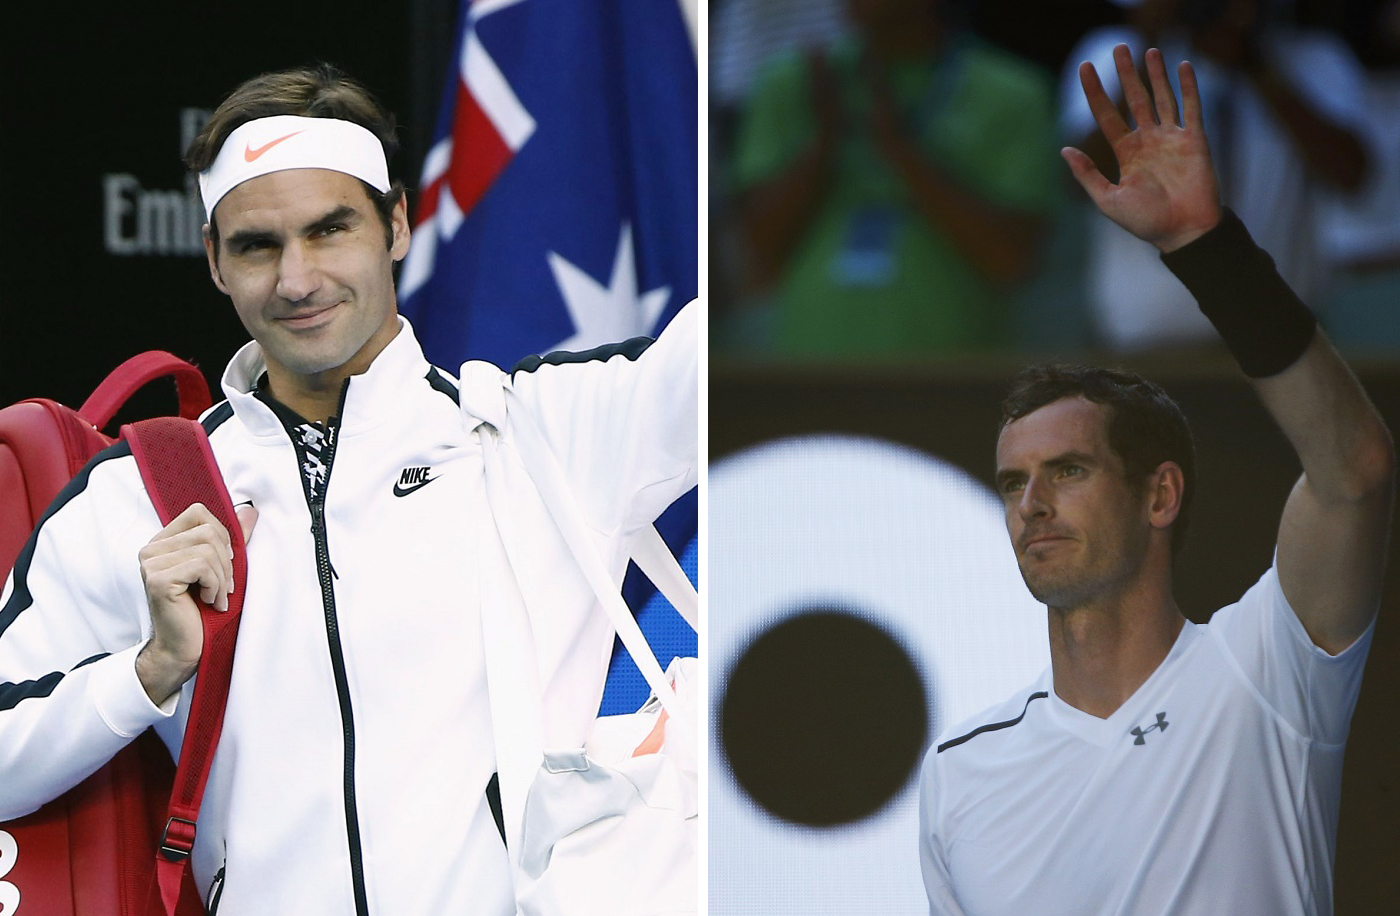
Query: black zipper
{"points": [[216, 891], [326, 574]]}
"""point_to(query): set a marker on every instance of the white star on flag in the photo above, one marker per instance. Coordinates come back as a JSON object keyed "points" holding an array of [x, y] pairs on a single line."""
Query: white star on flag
{"points": [[612, 313]]}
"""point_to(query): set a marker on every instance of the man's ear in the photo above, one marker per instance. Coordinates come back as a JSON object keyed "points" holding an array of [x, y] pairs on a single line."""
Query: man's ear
{"points": [[1166, 489], [398, 223], [212, 254]]}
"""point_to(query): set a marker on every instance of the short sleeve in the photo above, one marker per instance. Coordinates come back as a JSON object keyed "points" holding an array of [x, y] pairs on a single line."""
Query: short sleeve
{"points": [[1312, 691], [938, 881]]}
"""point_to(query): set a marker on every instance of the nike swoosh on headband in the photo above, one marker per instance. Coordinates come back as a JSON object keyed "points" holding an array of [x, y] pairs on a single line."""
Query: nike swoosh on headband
{"points": [[250, 154]]}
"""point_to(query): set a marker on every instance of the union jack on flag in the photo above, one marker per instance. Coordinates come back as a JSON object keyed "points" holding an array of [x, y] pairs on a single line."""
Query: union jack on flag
{"points": [[558, 205], [558, 208]]}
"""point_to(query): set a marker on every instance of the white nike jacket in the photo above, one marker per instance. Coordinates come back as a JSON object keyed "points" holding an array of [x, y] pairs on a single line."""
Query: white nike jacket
{"points": [[351, 776]]}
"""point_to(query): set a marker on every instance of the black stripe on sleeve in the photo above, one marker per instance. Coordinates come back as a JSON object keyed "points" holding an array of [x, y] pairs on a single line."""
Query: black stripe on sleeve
{"points": [[995, 726], [630, 349], [442, 385], [216, 417], [12, 694], [20, 598], [493, 799]]}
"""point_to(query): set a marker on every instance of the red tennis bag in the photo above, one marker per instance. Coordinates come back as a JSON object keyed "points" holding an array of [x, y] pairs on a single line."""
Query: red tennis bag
{"points": [[93, 851]]}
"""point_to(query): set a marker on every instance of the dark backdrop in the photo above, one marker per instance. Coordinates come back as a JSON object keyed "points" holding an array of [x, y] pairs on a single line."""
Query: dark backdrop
{"points": [[99, 253]]}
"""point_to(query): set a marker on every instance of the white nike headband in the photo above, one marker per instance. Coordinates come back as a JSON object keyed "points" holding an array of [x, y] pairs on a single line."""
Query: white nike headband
{"points": [[293, 142]]}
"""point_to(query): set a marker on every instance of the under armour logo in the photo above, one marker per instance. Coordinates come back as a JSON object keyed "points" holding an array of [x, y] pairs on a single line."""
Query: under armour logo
{"points": [[412, 479], [1140, 734]]}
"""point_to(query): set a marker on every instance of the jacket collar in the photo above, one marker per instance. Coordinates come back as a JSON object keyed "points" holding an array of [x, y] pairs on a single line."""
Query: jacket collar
{"points": [[376, 396]]}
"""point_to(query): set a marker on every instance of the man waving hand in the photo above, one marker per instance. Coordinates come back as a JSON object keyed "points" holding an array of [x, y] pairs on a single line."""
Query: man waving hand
{"points": [[1160, 766]]}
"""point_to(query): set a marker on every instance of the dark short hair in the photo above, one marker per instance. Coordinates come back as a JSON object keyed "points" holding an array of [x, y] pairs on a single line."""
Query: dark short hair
{"points": [[1145, 426], [316, 91]]}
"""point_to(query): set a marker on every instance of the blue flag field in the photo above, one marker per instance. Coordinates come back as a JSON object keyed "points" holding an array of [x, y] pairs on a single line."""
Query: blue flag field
{"points": [[557, 210]]}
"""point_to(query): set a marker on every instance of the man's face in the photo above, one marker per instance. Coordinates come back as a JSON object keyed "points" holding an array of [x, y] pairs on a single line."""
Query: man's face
{"points": [[1079, 529], [302, 256]]}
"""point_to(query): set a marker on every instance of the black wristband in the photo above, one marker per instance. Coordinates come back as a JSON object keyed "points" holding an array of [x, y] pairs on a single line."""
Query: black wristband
{"points": [[1263, 323]]}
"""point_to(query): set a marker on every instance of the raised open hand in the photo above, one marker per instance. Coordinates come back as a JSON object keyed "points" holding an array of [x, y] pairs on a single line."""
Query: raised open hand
{"points": [[1166, 192]]}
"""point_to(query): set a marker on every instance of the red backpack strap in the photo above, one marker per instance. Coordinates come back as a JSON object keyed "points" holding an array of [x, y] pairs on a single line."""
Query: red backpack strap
{"points": [[178, 468], [127, 379]]}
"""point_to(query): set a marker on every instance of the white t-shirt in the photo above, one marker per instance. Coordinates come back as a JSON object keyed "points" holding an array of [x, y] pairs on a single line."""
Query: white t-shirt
{"points": [[1214, 789], [1136, 301]]}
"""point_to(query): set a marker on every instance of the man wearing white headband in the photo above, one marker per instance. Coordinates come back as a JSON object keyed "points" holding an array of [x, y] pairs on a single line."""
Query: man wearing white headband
{"points": [[356, 771]]}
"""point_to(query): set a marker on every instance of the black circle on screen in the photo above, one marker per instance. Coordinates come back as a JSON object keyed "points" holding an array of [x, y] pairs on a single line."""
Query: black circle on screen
{"points": [[823, 718]]}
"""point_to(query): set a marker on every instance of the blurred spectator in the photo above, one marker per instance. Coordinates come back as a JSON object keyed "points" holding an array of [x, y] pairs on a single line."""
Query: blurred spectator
{"points": [[746, 34], [894, 188], [1362, 234], [1285, 111]]}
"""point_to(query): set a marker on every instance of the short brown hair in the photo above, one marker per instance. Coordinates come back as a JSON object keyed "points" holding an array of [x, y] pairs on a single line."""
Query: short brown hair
{"points": [[317, 91], [1145, 426]]}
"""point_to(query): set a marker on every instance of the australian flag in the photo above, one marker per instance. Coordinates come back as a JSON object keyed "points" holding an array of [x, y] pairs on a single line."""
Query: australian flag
{"points": [[558, 210]]}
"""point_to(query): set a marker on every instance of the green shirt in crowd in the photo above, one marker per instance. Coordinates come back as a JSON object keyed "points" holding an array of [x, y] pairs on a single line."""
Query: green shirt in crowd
{"points": [[871, 277]]}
